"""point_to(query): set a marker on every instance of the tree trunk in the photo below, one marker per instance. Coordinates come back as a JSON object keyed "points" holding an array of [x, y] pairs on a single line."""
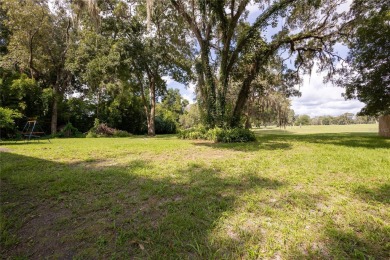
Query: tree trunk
{"points": [[98, 104], [248, 124], [30, 58], [384, 126], [152, 115], [151, 127], [54, 112], [240, 103], [211, 118], [248, 114]]}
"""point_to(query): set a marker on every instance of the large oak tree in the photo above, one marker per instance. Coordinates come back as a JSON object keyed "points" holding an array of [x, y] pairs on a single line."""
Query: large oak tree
{"points": [[227, 42]]}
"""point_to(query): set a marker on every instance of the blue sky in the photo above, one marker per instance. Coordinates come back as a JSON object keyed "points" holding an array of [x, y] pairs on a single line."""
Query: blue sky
{"points": [[317, 97]]}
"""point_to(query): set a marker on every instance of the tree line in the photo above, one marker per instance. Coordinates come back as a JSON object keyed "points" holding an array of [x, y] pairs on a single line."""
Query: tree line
{"points": [[343, 119], [75, 61]]}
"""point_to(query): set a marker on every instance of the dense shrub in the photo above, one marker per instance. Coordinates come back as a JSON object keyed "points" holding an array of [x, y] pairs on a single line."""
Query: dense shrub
{"points": [[69, 131], [193, 133], [165, 125], [102, 130], [121, 133], [234, 135], [7, 121]]}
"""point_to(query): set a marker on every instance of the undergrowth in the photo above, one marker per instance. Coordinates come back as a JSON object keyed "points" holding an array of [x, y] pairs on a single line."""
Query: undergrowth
{"points": [[220, 135]]}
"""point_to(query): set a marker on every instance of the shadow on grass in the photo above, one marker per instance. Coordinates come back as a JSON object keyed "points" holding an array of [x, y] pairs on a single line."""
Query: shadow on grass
{"points": [[59, 210], [88, 210], [359, 240], [283, 141], [380, 194], [353, 140], [260, 144], [22, 142]]}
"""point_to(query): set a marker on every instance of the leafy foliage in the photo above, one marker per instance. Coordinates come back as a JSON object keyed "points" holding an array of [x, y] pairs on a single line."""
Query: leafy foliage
{"points": [[367, 76], [69, 131], [7, 117], [303, 120], [234, 135], [232, 49], [191, 117], [80, 60], [102, 130]]}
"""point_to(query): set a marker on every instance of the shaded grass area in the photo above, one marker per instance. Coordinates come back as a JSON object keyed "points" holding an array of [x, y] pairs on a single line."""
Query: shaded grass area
{"points": [[319, 129], [320, 196]]}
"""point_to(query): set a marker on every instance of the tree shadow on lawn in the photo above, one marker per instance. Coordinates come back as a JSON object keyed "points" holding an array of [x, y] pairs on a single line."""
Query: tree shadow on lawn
{"points": [[284, 141], [364, 236], [59, 210], [358, 240], [260, 144], [363, 140], [32, 142], [380, 194]]}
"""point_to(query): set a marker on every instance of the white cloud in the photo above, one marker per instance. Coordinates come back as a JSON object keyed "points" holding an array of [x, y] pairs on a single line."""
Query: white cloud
{"points": [[319, 98], [189, 98], [345, 6], [186, 92], [191, 87], [168, 80], [252, 7]]}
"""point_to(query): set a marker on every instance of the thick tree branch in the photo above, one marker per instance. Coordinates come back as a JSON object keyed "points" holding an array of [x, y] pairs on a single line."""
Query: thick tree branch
{"points": [[191, 22], [254, 28]]}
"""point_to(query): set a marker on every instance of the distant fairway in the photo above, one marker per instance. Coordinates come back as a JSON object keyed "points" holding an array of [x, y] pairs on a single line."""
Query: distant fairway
{"points": [[316, 192], [318, 129]]}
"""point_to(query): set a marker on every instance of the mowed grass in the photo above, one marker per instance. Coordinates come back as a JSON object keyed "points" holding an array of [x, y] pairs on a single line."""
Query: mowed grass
{"points": [[293, 194]]}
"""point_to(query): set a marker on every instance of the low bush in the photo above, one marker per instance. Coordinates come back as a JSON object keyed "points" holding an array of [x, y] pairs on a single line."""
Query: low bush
{"points": [[165, 125], [121, 133], [102, 130], [234, 135], [69, 131], [193, 133]]}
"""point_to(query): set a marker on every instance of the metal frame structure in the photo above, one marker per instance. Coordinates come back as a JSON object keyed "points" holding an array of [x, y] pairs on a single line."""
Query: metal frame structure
{"points": [[31, 130]]}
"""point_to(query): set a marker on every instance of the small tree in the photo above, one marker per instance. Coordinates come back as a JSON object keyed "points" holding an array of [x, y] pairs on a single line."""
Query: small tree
{"points": [[7, 119], [303, 120]]}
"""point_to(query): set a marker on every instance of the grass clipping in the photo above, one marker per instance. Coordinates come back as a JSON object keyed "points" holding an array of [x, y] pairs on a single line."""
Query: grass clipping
{"points": [[234, 135]]}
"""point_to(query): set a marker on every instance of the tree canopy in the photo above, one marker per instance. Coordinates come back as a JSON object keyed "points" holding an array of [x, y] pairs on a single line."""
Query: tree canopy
{"points": [[74, 61], [367, 76], [233, 48]]}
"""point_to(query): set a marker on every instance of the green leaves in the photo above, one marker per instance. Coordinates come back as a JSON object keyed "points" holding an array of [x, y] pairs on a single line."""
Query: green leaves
{"points": [[368, 76], [7, 117]]}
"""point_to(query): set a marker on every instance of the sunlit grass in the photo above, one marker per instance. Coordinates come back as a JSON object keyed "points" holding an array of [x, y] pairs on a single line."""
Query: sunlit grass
{"points": [[302, 195]]}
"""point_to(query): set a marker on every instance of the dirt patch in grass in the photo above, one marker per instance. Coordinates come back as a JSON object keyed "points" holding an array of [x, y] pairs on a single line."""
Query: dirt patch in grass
{"points": [[45, 221], [4, 150]]}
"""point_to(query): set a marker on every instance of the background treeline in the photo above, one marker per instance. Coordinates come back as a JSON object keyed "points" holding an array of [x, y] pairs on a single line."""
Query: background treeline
{"points": [[88, 61], [344, 119], [61, 64], [273, 118]]}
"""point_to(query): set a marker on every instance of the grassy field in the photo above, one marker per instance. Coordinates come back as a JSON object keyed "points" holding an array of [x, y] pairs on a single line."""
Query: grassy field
{"points": [[301, 193]]}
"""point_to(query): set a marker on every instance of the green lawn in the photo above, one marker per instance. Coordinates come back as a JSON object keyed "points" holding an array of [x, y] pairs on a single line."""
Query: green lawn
{"points": [[302, 193]]}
